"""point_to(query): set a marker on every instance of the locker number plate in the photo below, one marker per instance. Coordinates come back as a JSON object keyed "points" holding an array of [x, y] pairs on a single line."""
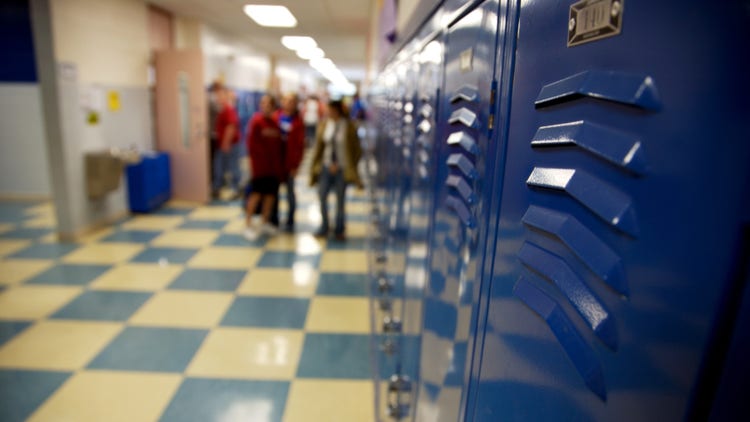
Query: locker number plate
{"points": [[592, 20]]}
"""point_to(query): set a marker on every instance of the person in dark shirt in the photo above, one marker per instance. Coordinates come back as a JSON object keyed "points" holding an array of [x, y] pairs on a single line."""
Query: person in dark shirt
{"points": [[293, 138], [265, 150]]}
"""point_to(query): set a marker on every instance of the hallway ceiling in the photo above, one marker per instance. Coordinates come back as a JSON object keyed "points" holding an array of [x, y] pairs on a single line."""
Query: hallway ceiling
{"points": [[339, 26]]}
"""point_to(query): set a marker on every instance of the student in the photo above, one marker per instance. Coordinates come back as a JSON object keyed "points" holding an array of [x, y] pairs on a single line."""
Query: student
{"points": [[227, 138], [335, 157], [265, 151], [293, 139], [312, 112]]}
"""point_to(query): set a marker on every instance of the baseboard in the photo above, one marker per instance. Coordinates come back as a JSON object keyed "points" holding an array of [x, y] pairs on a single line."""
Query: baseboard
{"points": [[24, 197], [71, 237]]}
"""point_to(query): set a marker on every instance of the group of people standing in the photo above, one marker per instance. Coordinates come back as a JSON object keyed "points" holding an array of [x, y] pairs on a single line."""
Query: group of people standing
{"points": [[275, 139]]}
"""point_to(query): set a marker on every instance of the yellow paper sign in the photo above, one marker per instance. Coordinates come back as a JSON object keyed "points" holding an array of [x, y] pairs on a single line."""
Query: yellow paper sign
{"points": [[113, 100]]}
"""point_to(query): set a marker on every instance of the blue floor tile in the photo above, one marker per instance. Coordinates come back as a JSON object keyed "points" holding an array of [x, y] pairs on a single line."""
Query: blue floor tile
{"points": [[226, 239], [196, 279], [150, 349], [271, 312], [132, 236], [9, 329], [14, 212], [342, 284], [224, 400], [204, 224], [173, 211], [21, 392], [103, 306], [335, 356], [170, 255], [46, 251], [72, 275], [351, 243], [26, 233], [279, 259]]}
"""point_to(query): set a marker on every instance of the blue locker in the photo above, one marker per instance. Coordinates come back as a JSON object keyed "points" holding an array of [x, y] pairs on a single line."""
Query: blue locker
{"points": [[462, 190], [620, 225]]}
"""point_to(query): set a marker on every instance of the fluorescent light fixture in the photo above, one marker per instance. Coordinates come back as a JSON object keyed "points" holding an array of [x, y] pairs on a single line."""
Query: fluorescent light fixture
{"points": [[268, 15], [294, 42], [310, 53]]}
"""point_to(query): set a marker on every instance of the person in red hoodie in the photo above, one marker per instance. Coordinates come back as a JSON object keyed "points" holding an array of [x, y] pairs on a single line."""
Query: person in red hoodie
{"points": [[265, 150], [293, 138]]}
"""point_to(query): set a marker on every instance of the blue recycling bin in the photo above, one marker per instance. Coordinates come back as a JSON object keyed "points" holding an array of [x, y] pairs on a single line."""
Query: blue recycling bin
{"points": [[149, 182]]}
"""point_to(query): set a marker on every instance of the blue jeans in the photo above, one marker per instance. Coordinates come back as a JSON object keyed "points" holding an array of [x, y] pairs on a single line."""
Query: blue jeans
{"points": [[291, 199], [226, 162], [336, 182]]}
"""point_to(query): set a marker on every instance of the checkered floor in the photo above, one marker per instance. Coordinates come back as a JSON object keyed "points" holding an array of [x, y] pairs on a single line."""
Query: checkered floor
{"points": [[174, 316]]}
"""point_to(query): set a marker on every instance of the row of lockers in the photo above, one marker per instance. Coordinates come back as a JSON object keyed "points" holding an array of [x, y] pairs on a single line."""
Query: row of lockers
{"points": [[560, 220]]}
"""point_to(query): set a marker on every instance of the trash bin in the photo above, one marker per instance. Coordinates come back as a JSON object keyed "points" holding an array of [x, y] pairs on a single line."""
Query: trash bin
{"points": [[149, 182]]}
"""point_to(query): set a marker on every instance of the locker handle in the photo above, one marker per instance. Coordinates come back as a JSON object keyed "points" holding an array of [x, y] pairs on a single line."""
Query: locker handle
{"points": [[625, 88], [580, 353], [613, 206], [591, 309], [618, 148], [597, 256]]}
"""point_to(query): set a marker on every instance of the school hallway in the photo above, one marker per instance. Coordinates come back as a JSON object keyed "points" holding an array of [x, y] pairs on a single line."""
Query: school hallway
{"points": [[174, 316]]}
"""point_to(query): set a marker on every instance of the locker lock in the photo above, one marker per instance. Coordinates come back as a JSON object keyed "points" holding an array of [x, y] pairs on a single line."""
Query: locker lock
{"points": [[389, 347], [385, 305], [399, 384], [391, 324], [384, 285], [398, 410]]}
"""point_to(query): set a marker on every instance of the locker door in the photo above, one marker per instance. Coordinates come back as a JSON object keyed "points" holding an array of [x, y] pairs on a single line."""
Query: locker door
{"points": [[460, 217], [624, 195]]}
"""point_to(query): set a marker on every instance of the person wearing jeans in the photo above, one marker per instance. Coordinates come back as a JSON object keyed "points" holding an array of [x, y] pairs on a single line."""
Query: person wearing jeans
{"points": [[293, 139], [228, 137], [335, 157]]}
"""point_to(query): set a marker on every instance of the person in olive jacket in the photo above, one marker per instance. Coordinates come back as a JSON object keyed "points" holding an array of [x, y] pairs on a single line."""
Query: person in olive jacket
{"points": [[335, 156]]}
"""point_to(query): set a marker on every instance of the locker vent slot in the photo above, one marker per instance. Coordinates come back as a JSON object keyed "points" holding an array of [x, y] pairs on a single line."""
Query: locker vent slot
{"points": [[597, 256], [466, 93], [464, 116], [462, 211], [626, 88], [464, 165], [459, 185], [578, 350], [611, 145], [604, 200], [464, 141], [591, 309]]}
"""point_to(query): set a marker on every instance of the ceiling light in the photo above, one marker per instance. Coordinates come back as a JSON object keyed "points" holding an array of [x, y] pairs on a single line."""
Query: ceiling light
{"points": [[298, 43], [267, 15], [310, 53]]}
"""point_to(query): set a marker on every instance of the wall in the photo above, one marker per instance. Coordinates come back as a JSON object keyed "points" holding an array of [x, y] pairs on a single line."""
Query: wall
{"points": [[23, 161], [104, 48], [234, 61]]}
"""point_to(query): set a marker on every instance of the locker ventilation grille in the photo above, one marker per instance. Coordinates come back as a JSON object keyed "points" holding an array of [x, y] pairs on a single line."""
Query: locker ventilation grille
{"points": [[595, 196]]}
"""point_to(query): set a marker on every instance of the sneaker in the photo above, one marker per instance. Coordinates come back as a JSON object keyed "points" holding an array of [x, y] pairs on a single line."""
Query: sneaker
{"points": [[250, 234], [269, 229], [340, 237], [321, 233]]}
